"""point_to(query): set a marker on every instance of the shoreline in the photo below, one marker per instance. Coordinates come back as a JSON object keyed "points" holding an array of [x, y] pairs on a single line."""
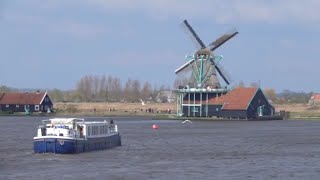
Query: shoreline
{"points": [[151, 117], [155, 111]]}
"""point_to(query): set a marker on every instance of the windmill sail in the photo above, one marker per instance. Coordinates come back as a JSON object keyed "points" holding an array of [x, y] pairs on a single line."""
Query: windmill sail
{"points": [[185, 66], [202, 68], [222, 39], [223, 73], [195, 38]]}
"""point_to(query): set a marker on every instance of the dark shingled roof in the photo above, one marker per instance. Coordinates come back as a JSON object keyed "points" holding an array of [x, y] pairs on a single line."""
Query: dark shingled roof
{"points": [[21, 98], [237, 99]]}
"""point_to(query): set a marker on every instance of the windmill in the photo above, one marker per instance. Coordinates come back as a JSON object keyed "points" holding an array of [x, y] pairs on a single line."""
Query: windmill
{"points": [[204, 64]]}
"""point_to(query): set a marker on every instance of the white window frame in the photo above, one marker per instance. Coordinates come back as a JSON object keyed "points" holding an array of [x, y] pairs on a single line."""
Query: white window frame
{"points": [[36, 107]]}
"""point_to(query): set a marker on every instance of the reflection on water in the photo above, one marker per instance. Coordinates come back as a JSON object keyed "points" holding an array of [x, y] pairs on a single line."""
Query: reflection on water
{"points": [[201, 150]]}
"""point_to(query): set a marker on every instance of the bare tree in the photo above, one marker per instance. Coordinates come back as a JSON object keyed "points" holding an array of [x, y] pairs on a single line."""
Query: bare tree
{"points": [[181, 81], [146, 92], [4, 89], [114, 89], [117, 89], [109, 88], [164, 87], [103, 88], [56, 95], [127, 91], [85, 88], [270, 94], [254, 84], [241, 84], [136, 88], [96, 86]]}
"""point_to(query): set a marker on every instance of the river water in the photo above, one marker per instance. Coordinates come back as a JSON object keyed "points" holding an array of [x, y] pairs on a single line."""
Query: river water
{"points": [[201, 150]]}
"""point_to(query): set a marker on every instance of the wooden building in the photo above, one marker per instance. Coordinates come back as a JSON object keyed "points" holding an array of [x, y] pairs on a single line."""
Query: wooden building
{"points": [[314, 99], [194, 102], [25, 102], [239, 103]]}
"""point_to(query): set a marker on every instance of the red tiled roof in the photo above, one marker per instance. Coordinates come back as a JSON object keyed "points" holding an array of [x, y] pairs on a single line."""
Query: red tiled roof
{"points": [[315, 97], [237, 99], [21, 98]]}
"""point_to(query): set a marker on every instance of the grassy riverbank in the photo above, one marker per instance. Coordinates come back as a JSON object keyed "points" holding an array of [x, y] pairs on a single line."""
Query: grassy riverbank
{"points": [[157, 110], [115, 109], [160, 110], [300, 111]]}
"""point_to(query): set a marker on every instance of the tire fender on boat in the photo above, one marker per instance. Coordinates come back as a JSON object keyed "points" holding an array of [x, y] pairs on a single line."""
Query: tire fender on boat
{"points": [[61, 142]]}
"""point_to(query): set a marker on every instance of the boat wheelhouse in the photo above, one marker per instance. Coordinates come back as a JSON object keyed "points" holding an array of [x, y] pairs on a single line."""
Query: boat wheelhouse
{"points": [[75, 135]]}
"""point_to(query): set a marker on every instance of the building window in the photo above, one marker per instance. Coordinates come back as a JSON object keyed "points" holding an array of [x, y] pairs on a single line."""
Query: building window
{"points": [[36, 107], [17, 106], [195, 109]]}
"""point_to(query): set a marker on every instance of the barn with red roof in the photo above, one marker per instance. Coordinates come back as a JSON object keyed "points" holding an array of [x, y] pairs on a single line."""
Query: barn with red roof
{"points": [[315, 99], [241, 102], [25, 102]]}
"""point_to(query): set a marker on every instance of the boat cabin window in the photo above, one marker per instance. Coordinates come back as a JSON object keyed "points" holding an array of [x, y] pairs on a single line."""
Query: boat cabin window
{"points": [[94, 130], [89, 131], [62, 126]]}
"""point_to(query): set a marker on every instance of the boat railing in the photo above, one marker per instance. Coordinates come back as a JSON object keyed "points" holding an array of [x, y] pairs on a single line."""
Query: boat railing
{"points": [[113, 128]]}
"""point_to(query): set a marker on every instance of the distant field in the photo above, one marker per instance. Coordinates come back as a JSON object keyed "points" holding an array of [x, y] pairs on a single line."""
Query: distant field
{"points": [[114, 108], [296, 110], [300, 110]]}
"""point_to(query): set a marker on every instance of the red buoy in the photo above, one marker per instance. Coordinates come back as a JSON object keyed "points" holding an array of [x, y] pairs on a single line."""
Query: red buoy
{"points": [[155, 126]]}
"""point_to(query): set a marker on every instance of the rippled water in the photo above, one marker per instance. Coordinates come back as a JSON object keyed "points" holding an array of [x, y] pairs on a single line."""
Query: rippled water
{"points": [[201, 150]]}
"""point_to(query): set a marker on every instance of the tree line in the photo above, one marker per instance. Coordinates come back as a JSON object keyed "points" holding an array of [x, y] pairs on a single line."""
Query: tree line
{"points": [[111, 89], [92, 88]]}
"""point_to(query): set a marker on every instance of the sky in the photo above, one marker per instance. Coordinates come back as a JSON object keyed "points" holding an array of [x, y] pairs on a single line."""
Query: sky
{"points": [[53, 43]]}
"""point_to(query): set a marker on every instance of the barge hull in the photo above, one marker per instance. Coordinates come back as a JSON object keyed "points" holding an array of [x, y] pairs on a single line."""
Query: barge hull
{"points": [[71, 146]]}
